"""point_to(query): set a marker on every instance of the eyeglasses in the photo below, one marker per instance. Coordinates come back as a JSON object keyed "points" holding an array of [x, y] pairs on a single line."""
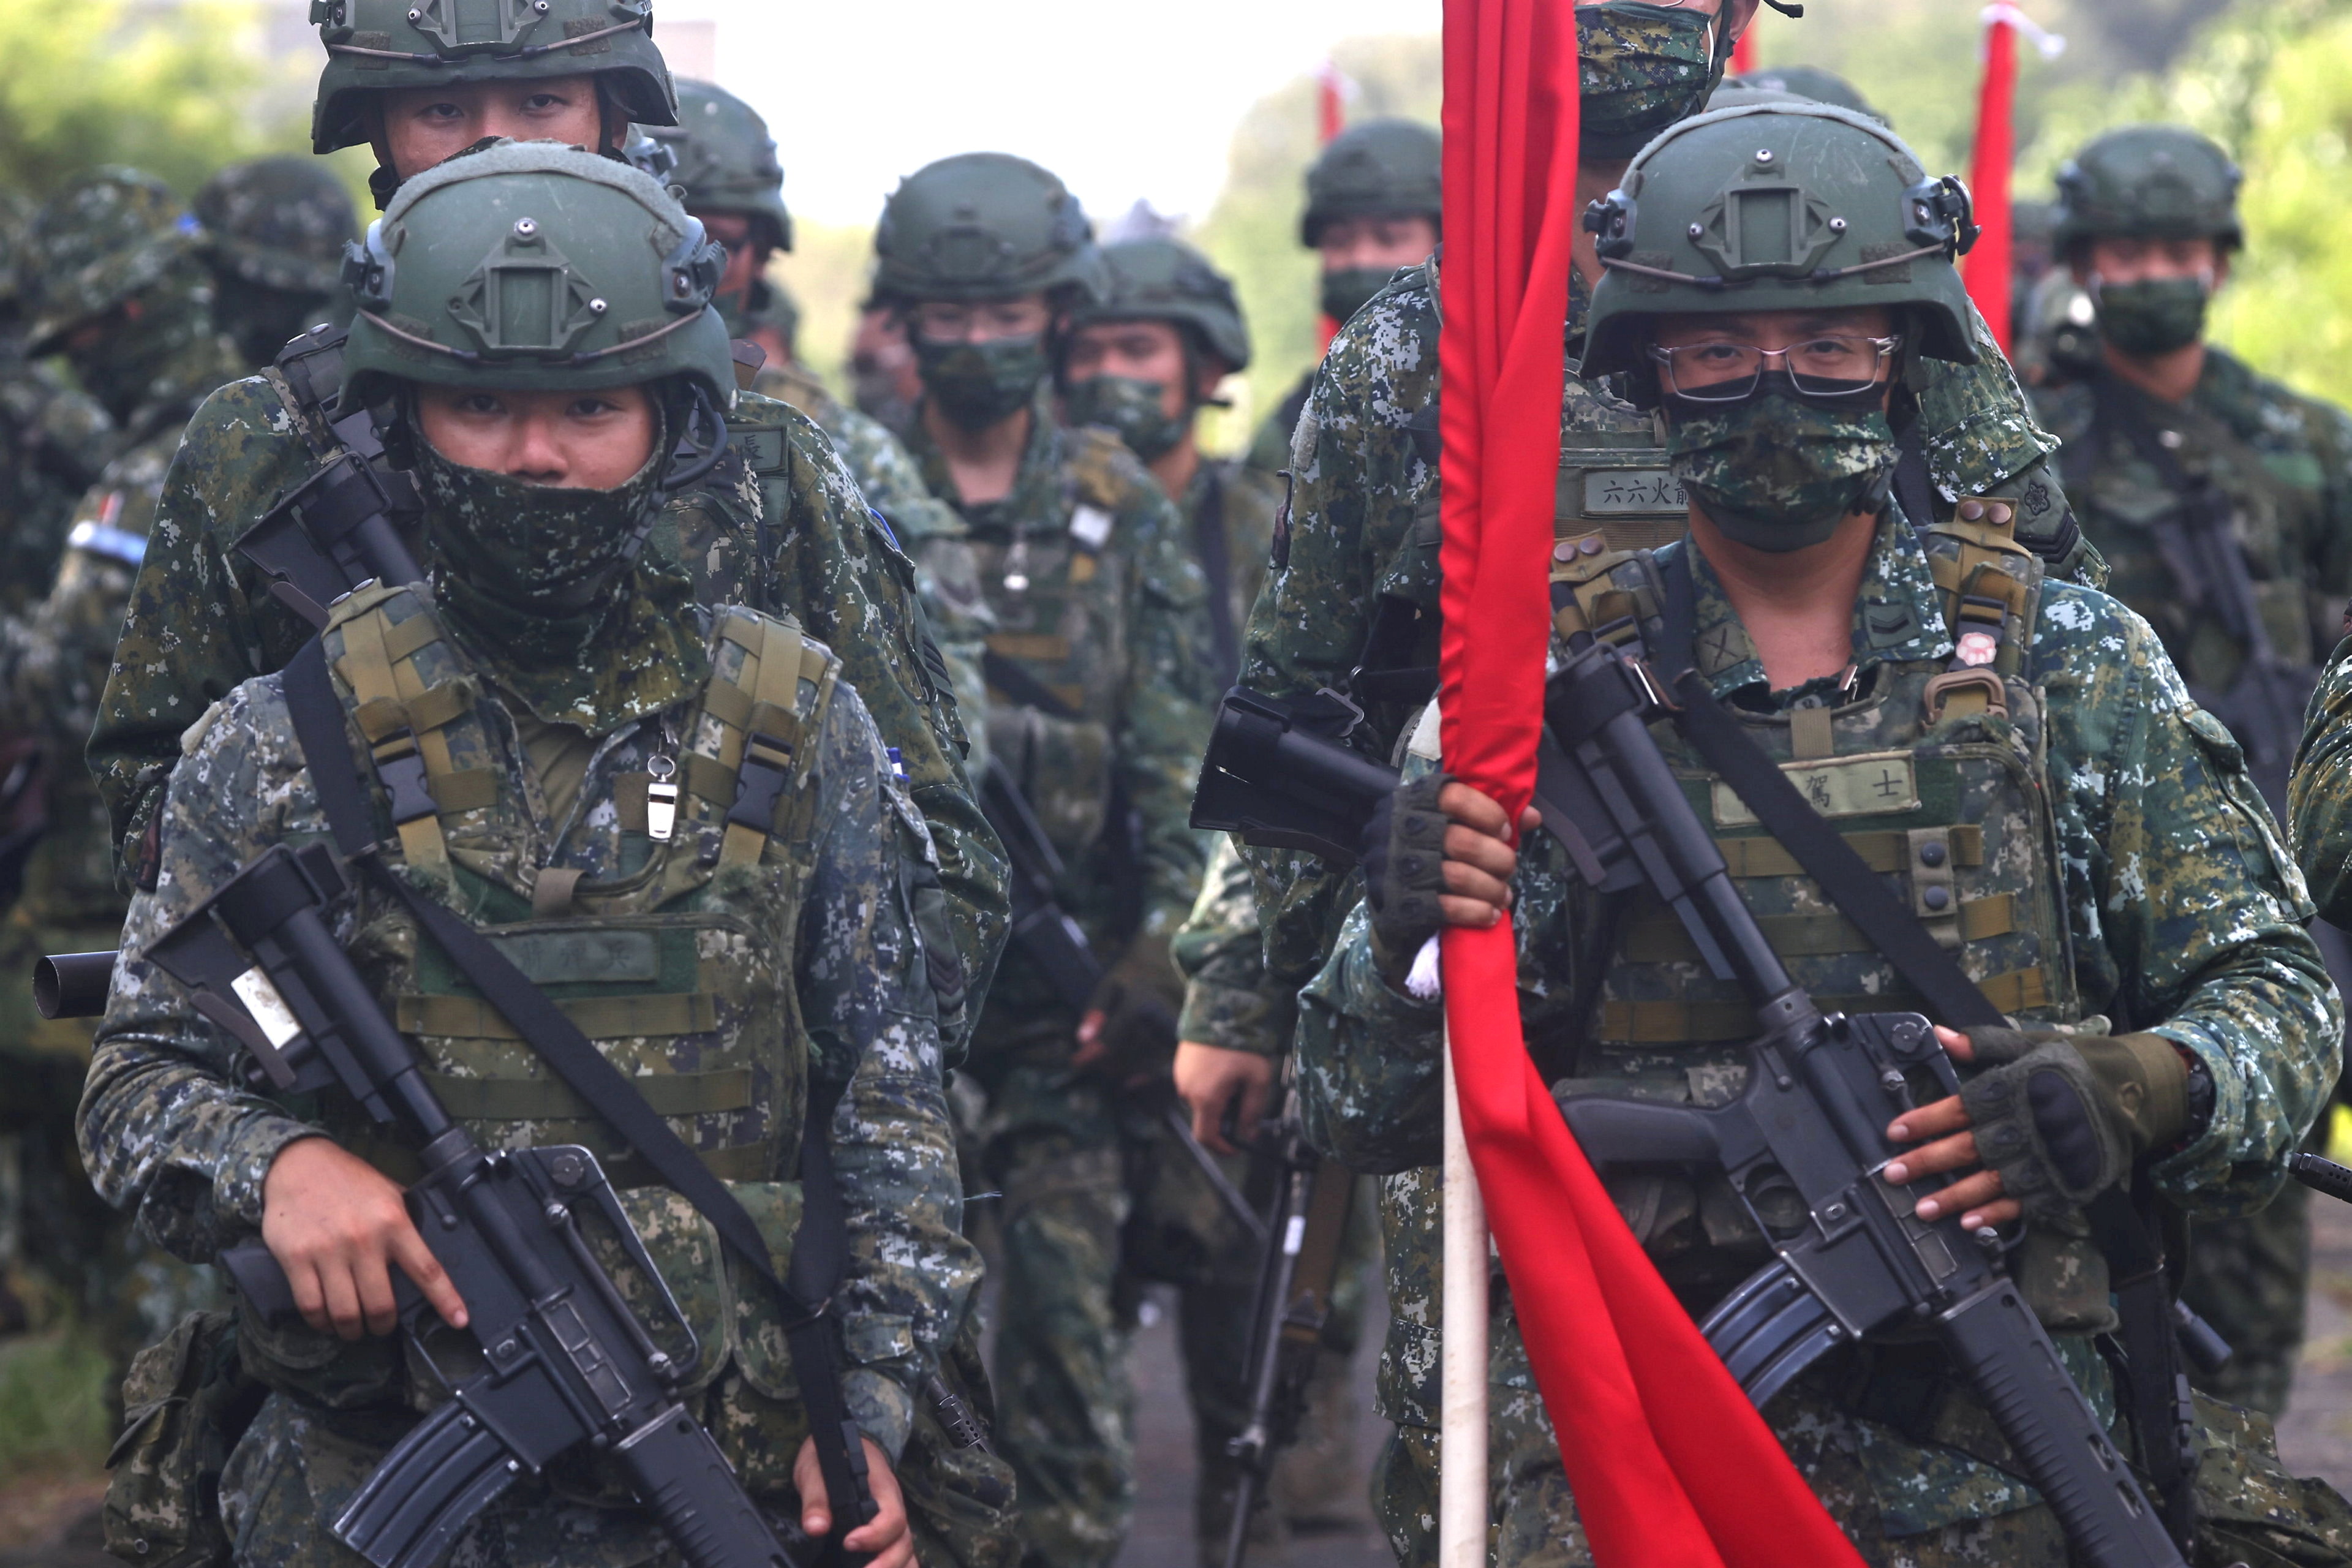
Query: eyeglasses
{"points": [[1827, 366]]}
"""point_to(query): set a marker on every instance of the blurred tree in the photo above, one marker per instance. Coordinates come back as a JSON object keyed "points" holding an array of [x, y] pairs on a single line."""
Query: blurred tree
{"points": [[169, 89]]}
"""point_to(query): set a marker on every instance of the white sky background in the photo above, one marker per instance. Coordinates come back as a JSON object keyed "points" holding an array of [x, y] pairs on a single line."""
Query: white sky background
{"points": [[1123, 99]]}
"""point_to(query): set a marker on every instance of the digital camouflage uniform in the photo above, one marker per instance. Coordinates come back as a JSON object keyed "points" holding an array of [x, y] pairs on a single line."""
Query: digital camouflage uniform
{"points": [[721, 155], [1360, 546], [171, 1130], [2283, 462], [53, 439], [1112, 620], [1379, 168], [1180, 1233], [2177, 911], [275, 230], [738, 968], [108, 239]]}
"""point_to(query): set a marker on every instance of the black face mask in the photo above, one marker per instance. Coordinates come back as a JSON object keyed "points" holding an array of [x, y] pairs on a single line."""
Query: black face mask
{"points": [[2154, 316], [983, 383], [536, 551], [1348, 289]]}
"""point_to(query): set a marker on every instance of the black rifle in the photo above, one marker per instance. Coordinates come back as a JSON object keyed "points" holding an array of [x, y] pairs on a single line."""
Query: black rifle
{"points": [[347, 522], [1063, 954], [1312, 1199], [562, 1360], [1280, 775], [1808, 1137], [2263, 706]]}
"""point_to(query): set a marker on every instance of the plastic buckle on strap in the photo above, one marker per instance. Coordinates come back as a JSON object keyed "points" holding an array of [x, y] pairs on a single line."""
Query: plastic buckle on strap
{"points": [[401, 766], [759, 782]]}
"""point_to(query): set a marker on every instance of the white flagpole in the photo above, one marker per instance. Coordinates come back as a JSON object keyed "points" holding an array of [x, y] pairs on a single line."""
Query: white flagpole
{"points": [[1462, 1407]]}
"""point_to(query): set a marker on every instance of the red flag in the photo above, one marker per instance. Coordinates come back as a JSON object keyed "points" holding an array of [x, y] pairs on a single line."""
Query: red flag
{"points": [[1330, 103], [1743, 53], [1671, 1466], [1986, 269]]}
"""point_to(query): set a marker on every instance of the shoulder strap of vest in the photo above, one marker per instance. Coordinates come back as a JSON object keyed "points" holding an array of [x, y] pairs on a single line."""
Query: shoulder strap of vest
{"points": [[769, 711], [403, 715], [820, 1252], [1989, 587]]}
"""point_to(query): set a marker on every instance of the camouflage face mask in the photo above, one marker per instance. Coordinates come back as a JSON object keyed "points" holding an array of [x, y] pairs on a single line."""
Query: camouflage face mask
{"points": [[1348, 289], [1776, 472], [1641, 68], [1129, 406], [978, 384], [2154, 316], [534, 552]]}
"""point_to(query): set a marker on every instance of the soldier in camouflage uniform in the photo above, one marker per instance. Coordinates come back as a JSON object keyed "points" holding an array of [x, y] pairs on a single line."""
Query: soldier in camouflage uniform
{"points": [[275, 230], [575, 668], [2108, 874], [2167, 435], [786, 528], [53, 438], [1144, 361], [726, 161], [1373, 204], [126, 297], [1098, 687]]}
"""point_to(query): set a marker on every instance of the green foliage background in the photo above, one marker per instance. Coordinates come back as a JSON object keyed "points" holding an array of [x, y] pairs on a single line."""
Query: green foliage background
{"points": [[174, 90]]}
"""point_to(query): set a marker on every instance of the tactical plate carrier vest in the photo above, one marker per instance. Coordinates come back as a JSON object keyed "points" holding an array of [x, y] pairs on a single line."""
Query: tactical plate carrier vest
{"points": [[1931, 770], [680, 968]]}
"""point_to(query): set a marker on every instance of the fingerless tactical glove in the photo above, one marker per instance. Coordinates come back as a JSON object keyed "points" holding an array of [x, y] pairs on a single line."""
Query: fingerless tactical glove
{"points": [[1404, 872], [2060, 1118]]}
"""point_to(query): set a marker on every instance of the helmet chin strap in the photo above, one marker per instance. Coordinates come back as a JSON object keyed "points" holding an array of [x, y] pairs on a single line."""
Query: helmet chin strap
{"points": [[701, 444]]}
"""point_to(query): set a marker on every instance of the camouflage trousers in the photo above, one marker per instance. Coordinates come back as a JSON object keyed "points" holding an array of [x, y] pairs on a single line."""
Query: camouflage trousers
{"points": [[2247, 1277], [1064, 1392]]}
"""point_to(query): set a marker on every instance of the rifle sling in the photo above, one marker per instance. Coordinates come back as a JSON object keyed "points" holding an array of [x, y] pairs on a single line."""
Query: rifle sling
{"points": [[1217, 564], [821, 1248], [2121, 1234], [1010, 678]]}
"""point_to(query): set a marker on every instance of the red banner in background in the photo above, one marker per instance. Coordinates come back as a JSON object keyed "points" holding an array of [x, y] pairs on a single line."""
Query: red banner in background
{"points": [[1987, 268], [1671, 1466], [1743, 53]]}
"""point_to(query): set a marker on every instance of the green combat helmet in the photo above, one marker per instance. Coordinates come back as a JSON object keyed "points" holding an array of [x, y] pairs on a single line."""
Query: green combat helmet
{"points": [[1379, 168], [275, 230], [725, 160], [1806, 81], [984, 226], [1779, 206], [549, 269], [107, 236], [1168, 280], [384, 46], [2148, 180]]}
